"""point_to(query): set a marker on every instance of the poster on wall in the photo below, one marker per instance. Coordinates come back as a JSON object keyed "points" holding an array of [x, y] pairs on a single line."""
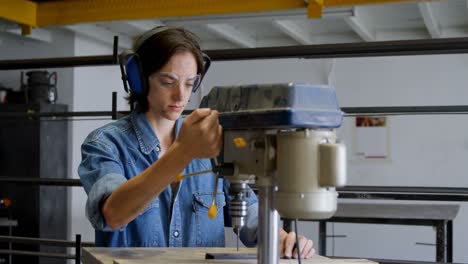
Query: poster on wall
{"points": [[371, 137]]}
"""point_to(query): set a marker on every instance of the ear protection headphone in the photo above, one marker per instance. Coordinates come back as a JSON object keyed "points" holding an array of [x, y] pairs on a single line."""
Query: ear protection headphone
{"points": [[132, 70]]}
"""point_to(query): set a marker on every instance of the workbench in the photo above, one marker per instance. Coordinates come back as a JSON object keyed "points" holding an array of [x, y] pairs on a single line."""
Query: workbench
{"points": [[186, 256], [439, 216]]}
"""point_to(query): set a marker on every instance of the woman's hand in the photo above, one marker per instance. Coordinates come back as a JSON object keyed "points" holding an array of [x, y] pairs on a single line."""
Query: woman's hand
{"points": [[288, 242], [201, 134]]}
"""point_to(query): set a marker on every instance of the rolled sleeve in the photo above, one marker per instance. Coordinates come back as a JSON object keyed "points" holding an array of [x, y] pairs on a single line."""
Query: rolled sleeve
{"points": [[101, 172], [99, 191]]}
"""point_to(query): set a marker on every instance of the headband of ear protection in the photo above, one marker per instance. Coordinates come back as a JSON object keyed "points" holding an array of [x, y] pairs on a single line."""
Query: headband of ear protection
{"points": [[132, 70]]}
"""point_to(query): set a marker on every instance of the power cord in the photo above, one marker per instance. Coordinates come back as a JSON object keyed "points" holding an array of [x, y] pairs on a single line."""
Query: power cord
{"points": [[297, 242]]}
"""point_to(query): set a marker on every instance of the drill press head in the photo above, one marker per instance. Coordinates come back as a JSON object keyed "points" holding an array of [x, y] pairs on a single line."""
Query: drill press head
{"points": [[282, 135]]}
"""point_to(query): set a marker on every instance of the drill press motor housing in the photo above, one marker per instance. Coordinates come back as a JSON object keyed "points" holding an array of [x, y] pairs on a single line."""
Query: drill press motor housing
{"points": [[281, 140]]}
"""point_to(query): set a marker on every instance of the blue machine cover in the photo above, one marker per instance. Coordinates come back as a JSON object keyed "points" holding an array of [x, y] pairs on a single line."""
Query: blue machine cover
{"points": [[284, 105]]}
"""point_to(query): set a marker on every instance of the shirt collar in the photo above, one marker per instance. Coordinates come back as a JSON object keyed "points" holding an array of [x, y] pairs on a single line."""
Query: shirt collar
{"points": [[147, 139]]}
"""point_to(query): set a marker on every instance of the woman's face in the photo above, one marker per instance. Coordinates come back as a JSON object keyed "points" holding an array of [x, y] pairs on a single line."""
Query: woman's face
{"points": [[171, 86]]}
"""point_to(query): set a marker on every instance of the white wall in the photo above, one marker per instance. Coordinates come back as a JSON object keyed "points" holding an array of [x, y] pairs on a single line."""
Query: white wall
{"points": [[14, 47], [93, 87], [429, 150], [425, 150]]}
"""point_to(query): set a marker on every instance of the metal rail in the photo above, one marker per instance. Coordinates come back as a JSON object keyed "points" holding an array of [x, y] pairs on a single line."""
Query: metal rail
{"points": [[348, 192], [77, 244], [406, 110], [404, 193], [43, 241], [346, 50], [349, 112], [41, 181], [62, 62]]}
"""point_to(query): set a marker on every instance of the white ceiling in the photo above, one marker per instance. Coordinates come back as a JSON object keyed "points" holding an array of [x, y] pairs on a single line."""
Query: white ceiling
{"points": [[401, 21]]}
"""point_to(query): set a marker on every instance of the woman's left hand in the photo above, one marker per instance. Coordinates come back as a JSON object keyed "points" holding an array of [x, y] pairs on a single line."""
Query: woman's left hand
{"points": [[288, 242]]}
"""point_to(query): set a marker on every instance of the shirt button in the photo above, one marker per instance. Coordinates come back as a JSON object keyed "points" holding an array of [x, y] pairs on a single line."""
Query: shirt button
{"points": [[158, 149], [176, 233]]}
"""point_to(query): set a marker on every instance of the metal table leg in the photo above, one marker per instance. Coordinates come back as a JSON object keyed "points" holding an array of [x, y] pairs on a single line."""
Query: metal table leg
{"points": [[450, 241], [323, 238], [10, 233], [440, 241]]}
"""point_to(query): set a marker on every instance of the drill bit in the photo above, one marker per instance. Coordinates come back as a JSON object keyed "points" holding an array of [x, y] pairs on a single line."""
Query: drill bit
{"points": [[237, 238]]}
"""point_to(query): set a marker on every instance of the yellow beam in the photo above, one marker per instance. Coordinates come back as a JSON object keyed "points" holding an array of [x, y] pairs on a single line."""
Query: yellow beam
{"points": [[315, 9], [338, 3], [26, 30], [79, 11], [20, 11]]}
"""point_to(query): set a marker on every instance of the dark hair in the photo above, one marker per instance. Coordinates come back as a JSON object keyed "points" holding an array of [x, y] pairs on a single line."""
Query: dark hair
{"points": [[157, 50]]}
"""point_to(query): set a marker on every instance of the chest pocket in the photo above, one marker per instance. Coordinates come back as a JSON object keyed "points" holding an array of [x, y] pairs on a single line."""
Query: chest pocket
{"points": [[210, 232]]}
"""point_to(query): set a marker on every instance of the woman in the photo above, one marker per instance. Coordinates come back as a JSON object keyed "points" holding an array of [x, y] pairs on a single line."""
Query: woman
{"points": [[128, 167]]}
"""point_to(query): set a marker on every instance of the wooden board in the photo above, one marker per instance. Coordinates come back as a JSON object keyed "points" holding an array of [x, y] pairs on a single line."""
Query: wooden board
{"points": [[186, 256]]}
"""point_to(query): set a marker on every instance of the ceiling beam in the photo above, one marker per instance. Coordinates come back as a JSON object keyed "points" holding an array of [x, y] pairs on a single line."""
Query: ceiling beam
{"points": [[328, 3], [432, 25], [130, 28], [257, 17], [294, 31], [455, 32], [315, 8], [38, 34], [20, 11], [144, 25], [358, 24], [233, 35], [406, 34], [100, 34], [81, 11]]}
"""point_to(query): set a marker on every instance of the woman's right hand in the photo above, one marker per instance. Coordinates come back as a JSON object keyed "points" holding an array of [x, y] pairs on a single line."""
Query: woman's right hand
{"points": [[201, 134]]}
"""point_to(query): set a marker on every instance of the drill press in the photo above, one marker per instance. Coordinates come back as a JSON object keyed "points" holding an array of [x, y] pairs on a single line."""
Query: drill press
{"points": [[280, 139]]}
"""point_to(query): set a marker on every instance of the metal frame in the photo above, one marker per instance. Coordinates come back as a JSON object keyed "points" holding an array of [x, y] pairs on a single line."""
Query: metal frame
{"points": [[444, 232], [77, 244], [395, 261], [347, 50], [447, 194], [349, 111], [405, 193], [62, 62]]}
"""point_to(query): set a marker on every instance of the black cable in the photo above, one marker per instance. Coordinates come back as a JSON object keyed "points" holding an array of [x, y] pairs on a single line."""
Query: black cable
{"points": [[297, 242]]}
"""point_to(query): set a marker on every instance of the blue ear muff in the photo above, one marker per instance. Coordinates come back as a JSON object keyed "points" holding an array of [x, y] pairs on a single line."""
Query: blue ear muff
{"points": [[207, 64], [135, 81], [132, 72]]}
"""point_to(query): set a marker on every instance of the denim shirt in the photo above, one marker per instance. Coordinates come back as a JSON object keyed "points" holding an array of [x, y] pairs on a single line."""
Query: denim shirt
{"points": [[121, 150]]}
